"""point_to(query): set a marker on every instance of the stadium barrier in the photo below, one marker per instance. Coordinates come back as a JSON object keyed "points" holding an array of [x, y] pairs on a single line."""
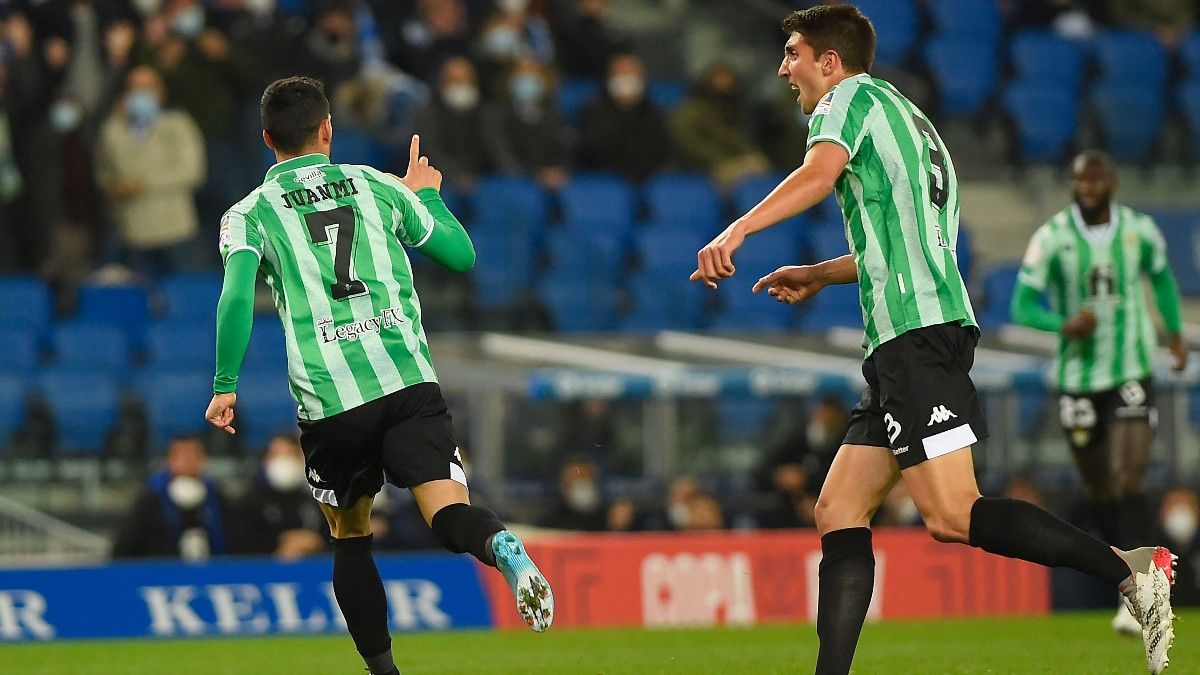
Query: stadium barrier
{"points": [[599, 580]]}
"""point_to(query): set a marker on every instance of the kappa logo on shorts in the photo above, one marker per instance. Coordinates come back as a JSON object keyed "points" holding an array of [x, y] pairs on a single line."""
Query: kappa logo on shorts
{"points": [[940, 414], [313, 476]]}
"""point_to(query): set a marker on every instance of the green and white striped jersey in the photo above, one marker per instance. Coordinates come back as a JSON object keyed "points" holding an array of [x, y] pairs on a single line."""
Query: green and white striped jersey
{"points": [[899, 199], [329, 238], [1100, 268]]}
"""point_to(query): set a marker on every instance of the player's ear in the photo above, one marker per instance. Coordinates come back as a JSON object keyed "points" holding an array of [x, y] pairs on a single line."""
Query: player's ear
{"points": [[267, 140], [325, 132]]}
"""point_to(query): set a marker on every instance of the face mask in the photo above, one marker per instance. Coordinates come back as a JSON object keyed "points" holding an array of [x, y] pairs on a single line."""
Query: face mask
{"points": [[189, 22], [526, 88], [460, 96], [623, 87], [583, 496], [512, 6], [147, 7], [285, 473], [142, 106], [260, 8], [678, 515], [193, 545], [816, 435], [501, 41], [1180, 525], [65, 117], [186, 492]]}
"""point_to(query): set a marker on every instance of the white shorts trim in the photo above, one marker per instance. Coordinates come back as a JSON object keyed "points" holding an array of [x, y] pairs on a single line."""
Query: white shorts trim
{"points": [[457, 474], [324, 496], [948, 441]]}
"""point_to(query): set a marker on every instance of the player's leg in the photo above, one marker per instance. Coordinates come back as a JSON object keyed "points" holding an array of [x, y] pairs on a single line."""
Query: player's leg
{"points": [[1132, 441], [1089, 432], [419, 452], [859, 479], [342, 467]]}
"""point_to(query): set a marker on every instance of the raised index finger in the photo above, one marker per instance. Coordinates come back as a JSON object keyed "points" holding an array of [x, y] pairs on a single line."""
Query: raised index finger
{"points": [[414, 150]]}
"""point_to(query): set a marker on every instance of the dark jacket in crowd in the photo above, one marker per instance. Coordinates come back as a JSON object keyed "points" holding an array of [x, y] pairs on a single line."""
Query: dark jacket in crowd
{"points": [[264, 513], [631, 141], [155, 524]]}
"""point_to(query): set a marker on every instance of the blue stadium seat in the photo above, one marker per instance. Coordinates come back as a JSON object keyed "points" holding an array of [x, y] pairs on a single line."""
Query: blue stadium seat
{"points": [[1130, 56], [126, 307], [573, 95], [1131, 117], [964, 70], [684, 198], [192, 295], [998, 288], [834, 307], [509, 200], [744, 418], [1047, 57], [828, 242], [12, 406], [662, 301], [1180, 230], [670, 249], [174, 401], [1189, 105], [764, 314], [83, 404], [267, 348], [964, 251], [897, 25], [181, 343], [765, 251], [26, 303], [576, 304], [666, 94], [751, 191], [978, 19], [1046, 118], [595, 253], [266, 405], [92, 345], [1189, 54], [503, 265], [355, 147], [597, 197], [22, 348]]}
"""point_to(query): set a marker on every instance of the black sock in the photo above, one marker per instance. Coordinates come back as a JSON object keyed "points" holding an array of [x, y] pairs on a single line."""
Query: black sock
{"points": [[360, 595], [1133, 522], [463, 528], [847, 577], [1108, 520], [1017, 529]]}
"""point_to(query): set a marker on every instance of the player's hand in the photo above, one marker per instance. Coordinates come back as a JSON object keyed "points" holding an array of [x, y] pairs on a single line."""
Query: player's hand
{"points": [[220, 411], [420, 174], [715, 261], [1081, 325], [791, 284], [1179, 350]]}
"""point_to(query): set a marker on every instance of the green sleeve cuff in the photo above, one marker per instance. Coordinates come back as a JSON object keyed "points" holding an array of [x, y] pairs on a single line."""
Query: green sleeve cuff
{"points": [[235, 317], [1027, 310], [1166, 296]]}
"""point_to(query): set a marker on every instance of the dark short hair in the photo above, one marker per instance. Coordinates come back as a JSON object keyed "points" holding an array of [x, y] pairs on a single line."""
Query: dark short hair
{"points": [[292, 109], [840, 28]]}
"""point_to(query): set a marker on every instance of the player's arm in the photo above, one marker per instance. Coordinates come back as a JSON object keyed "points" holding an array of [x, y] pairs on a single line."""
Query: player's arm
{"points": [[804, 188], [448, 243], [242, 249], [1169, 302], [1027, 310], [796, 283], [426, 223]]}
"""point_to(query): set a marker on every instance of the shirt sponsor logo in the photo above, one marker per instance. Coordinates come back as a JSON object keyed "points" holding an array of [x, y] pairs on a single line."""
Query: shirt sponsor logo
{"points": [[388, 318]]}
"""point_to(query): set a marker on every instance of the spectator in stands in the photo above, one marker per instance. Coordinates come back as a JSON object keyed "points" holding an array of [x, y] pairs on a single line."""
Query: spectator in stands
{"points": [[580, 504], [1179, 522], [1170, 20], [180, 513], [704, 513], [512, 33], [525, 134], [585, 41], [711, 131], [331, 51], [782, 128], [397, 523], [623, 131], [11, 183], [588, 428], [150, 162], [809, 446], [793, 499], [676, 512], [278, 515], [622, 516], [421, 44], [452, 127]]}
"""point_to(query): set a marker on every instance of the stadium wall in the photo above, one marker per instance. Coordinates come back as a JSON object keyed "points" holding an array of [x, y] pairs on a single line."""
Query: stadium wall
{"points": [[599, 580]]}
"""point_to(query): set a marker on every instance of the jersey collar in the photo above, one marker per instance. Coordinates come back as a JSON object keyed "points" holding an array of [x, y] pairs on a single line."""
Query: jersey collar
{"points": [[296, 163]]}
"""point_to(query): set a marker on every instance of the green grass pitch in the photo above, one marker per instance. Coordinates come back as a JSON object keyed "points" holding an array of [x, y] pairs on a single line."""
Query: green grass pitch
{"points": [[1067, 643]]}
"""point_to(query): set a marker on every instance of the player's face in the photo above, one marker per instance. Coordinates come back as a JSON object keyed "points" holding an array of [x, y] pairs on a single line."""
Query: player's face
{"points": [[803, 72], [1092, 184]]}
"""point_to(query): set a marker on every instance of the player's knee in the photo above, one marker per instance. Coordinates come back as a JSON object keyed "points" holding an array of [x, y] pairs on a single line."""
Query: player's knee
{"points": [[948, 530], [830, 515]]}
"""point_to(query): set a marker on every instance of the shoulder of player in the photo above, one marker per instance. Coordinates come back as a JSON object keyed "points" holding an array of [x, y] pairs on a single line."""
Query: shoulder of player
{"points": [[1137, 218], [373, 176]]}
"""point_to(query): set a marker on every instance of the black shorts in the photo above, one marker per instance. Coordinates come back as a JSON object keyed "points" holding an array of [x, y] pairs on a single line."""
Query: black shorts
{"points": [[920, 400], [1086, 418], [405, 437]]}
